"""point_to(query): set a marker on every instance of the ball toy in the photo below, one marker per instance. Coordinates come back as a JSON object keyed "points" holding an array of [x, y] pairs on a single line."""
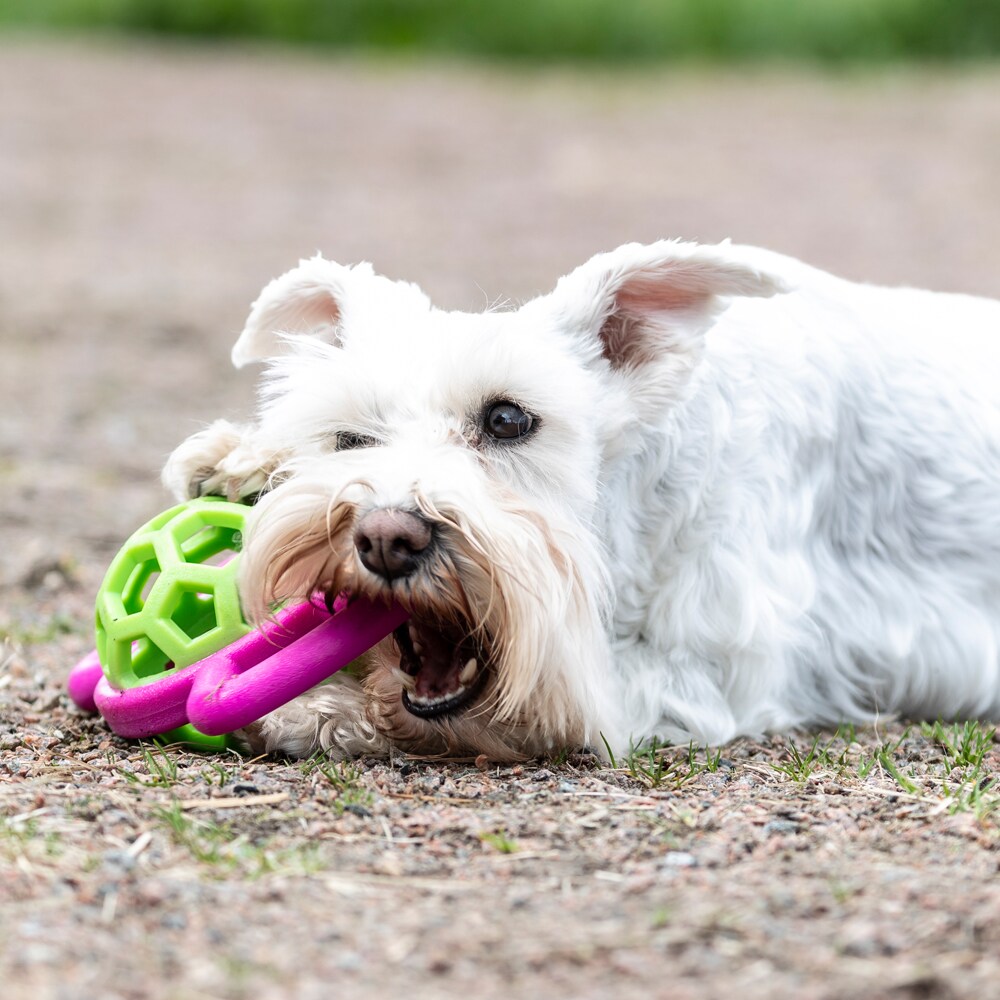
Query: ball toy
{"points": [[175, 657], [169, 597]]}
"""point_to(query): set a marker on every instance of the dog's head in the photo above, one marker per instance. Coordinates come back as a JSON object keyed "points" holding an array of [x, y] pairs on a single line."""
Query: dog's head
{"points": [[459, 463]]}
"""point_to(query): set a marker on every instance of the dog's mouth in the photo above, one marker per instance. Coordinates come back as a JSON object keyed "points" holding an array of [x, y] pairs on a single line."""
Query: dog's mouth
{"points": [[443, 667]]}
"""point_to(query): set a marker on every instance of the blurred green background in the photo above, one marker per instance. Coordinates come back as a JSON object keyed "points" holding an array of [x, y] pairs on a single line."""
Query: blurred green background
{"points": [[615, 31]]}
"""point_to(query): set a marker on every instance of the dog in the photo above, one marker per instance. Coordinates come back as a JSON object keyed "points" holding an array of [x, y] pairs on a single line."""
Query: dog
{"points": [[694, 492]]}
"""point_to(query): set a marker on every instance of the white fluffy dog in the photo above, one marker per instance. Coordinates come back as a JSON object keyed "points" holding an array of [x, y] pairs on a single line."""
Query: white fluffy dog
{"points": [[692, 493]]}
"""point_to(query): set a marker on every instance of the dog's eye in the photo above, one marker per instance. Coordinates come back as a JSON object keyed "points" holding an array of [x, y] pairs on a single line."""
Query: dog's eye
{"points": [[506, 421], [350, 440]]}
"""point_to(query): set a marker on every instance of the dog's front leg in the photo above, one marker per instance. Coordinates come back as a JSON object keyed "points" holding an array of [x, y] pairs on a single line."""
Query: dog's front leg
{"points": [[224, 459], [330, 719]]}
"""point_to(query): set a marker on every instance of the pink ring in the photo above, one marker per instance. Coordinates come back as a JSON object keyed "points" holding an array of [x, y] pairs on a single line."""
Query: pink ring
{"points": [[248, 679], [244, 681], [83, 679]]}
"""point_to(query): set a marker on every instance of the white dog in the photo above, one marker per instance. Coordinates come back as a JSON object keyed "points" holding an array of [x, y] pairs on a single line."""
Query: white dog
{"points": [[692, 493]]}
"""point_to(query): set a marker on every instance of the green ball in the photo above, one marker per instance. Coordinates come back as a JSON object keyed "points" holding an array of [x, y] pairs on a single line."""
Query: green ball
{"points": [[169, 598]]}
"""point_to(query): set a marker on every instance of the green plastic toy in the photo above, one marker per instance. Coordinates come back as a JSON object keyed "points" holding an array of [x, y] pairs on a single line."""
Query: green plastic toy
{"points": [[169, 598], [175, 659]]}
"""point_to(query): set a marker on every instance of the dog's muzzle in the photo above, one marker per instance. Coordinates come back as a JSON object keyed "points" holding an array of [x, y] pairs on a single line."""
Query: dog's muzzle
{"points": [[442, 667]]}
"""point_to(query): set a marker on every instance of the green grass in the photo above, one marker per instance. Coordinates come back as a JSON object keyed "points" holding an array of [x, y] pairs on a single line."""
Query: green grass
{"points": [[24, 839], [220, 848], [615, 31], [949, 764], [968, 784], [905, 779], [954, 771], [963, 744], [800, 765], [37, 635], [843, 756], [655, 764], [344, 776], [217, 773], [161, 765], [500, 841], [156, 768]]}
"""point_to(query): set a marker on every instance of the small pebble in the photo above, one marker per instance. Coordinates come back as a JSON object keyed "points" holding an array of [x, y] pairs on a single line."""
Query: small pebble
{"points": [[781, 826], [678, 859]]}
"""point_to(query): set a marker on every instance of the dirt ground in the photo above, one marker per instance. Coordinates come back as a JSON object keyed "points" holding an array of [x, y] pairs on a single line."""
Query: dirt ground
{"points": [[146, 194]]}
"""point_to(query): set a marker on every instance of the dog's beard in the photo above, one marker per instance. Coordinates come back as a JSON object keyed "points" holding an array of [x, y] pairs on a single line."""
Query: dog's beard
{"points": [[506, 641]]}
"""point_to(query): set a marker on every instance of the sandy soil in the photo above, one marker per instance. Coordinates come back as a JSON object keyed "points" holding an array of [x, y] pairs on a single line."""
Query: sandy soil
{"points": [[145, 196]]}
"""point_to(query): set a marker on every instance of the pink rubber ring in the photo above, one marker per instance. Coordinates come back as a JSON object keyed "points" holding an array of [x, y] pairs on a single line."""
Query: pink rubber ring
{"points": [[248, 679], [244, 681], [83, 678]]}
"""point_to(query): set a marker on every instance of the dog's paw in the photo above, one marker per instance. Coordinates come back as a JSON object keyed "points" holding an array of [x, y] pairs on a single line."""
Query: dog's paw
{"points": [[330, 720], [221, 460]]}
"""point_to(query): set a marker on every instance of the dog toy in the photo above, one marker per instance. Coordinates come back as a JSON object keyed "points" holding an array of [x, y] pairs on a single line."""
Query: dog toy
{"points": [[175, 657]]}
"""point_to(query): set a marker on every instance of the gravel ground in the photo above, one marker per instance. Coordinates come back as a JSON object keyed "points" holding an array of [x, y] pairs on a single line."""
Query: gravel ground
{"points": [[147, 194]]}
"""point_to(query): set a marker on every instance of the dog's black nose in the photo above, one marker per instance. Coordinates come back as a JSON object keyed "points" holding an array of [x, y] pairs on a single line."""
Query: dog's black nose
{"points": [[392, 542]]}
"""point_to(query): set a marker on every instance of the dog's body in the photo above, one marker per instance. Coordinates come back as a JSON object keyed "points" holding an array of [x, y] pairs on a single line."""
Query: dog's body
{"points": [[695, 492]]}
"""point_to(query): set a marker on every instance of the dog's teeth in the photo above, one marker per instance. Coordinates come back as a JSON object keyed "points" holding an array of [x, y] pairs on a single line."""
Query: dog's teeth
{"points": [[418, 649], [468, 671]]}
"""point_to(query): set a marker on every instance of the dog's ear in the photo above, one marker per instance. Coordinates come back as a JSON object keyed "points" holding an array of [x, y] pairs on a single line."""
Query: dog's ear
{"points": [[640, 302], [306, 300]]}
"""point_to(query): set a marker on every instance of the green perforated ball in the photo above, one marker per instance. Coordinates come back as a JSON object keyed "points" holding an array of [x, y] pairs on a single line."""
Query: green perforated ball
{"points": [[169, 598]]}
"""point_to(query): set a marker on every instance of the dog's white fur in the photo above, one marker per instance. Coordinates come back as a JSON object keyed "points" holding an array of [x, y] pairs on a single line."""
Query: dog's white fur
{"points": [[756, 496]]}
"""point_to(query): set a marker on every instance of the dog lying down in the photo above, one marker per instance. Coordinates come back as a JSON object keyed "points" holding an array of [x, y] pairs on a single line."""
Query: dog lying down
{"points": [[692, 493]]}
